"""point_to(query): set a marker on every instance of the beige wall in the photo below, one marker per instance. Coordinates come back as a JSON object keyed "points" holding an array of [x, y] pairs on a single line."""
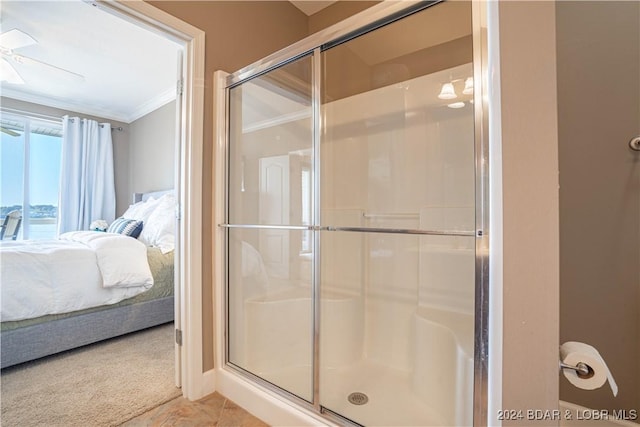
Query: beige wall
{"points": [[337, 12], [152, 150], [120, 145], [598, 112], [530, 208], [237, 33]]}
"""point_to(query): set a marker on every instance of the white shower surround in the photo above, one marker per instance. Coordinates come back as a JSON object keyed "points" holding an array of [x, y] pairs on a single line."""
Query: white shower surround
{"points": [[420, 303], [435, 390]]}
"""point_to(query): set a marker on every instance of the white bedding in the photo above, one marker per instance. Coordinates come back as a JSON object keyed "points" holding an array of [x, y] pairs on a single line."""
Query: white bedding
{"points": [[81, 269]]}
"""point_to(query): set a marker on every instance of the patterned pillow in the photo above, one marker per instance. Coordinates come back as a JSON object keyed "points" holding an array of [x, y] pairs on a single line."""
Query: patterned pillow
{"points": [[128, 227]]}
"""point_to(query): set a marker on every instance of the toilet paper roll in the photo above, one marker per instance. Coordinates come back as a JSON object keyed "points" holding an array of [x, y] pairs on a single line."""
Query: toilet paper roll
{"points": [[572, 353]]}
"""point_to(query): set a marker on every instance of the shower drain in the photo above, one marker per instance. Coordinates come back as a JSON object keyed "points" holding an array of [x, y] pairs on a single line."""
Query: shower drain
{"points": [[357, 398]]}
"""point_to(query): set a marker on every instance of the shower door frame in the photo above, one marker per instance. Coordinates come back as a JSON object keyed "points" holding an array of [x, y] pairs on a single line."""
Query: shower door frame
{"points": [[368, 20]]}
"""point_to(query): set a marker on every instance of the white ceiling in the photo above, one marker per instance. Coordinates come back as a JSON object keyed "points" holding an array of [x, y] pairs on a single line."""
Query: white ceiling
{"points": [[128, 71]]}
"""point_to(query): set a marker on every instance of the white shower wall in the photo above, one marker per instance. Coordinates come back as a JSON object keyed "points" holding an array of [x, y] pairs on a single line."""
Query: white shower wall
{"points": [[398, 157]]}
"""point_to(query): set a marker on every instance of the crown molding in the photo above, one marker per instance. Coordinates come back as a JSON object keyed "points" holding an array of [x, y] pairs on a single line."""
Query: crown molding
{"points": [[64, 104], [153, 104]]}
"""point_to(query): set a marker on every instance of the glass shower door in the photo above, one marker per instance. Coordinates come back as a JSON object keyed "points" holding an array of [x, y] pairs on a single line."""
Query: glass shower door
{"points": [[270, 248], [397, 218]]}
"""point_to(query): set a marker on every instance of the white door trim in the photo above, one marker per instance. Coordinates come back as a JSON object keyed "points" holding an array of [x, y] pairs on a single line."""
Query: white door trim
{"points": [[218, 208], [194, 383]]}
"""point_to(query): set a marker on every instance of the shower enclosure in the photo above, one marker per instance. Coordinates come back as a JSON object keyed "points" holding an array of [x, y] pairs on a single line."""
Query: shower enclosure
{"points": [[354, 251]]}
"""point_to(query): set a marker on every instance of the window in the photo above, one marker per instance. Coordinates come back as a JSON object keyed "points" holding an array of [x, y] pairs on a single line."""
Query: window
{"points": [[30, 150]]}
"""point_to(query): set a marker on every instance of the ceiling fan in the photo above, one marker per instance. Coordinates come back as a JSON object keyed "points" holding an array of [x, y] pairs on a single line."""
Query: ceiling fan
{"points": [[15, 39]]}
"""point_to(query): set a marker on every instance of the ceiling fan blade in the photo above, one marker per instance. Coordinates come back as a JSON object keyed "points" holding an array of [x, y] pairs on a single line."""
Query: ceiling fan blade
{"points": [[21, 59], [9, 74], [14, 39]]}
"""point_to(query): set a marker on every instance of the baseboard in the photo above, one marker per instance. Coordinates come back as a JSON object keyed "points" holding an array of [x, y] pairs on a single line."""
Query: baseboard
{"points": [[204, 385], [208, 383]]}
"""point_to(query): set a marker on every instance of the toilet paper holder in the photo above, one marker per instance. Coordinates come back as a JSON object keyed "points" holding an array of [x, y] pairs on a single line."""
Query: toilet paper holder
{"points": [[582, 369]]}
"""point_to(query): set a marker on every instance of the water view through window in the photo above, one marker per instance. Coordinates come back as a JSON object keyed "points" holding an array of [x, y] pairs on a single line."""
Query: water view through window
{"points": [[30, 174]]}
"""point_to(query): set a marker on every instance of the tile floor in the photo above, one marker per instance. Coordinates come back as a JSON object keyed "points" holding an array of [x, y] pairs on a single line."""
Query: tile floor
{"points": [[214, 410]]}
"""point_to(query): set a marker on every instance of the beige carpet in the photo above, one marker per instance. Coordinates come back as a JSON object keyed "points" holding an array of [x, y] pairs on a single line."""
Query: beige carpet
{"points": [[104, 384]]}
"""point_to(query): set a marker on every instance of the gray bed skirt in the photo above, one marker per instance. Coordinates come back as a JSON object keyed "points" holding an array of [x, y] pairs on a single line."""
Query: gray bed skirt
{"points": [[44, 339]]}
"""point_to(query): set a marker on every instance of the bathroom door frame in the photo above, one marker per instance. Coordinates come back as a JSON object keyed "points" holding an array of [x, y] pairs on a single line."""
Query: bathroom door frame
{"points": [[271, 408], [195, 383]]}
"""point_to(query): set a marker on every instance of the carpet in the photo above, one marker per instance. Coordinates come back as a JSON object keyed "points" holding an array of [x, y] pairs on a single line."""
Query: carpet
{"points": [[104, 384]]}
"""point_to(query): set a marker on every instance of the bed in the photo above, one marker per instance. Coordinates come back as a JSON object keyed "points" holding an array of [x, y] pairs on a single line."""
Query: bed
{"points": [[118, 284]]}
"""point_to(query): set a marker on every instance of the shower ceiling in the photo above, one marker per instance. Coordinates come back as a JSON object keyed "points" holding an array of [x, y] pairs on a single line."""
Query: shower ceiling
{"points": [[449, 22], [309, 7]]}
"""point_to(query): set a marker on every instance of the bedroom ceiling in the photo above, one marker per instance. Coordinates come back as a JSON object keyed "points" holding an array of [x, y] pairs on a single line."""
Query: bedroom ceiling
{"points": [[126, 71]]}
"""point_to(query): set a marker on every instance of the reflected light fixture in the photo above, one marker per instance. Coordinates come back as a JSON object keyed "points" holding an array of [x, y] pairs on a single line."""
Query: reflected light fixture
{"points": [[447, 91], [468, 86], [456, 105]]}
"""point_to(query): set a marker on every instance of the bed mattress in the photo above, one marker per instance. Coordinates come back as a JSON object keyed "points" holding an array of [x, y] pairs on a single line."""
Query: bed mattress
{"points": [[162, 269]]}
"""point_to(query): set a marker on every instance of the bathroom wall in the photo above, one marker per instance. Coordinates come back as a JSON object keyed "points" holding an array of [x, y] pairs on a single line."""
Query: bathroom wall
{"points": [[524, 262], [337, 12], [598, 53]]}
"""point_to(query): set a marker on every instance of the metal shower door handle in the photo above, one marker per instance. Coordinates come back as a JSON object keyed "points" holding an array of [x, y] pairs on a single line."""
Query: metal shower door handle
{"points": [[634, 143]]}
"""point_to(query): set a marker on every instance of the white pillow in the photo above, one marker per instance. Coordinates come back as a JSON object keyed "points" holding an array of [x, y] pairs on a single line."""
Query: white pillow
{"points": [[159, 228], [141, 210]]}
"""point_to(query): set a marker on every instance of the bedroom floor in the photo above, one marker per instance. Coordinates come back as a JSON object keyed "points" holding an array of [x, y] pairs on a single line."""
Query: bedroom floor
{"points": [[213, 410]]}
